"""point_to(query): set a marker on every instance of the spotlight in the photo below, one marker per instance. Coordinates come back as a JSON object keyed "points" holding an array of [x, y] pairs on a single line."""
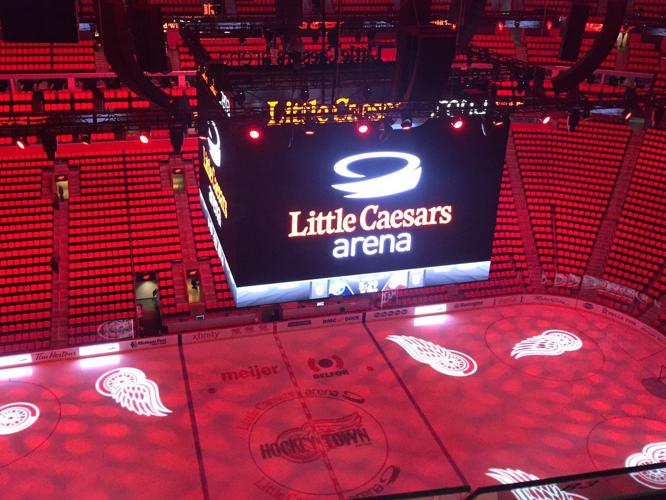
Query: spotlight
{"points": [[362, 128], [21, 142], [406, 124], [457, 123], [627, 114], [144, 137], [309, 131], [254, 133], [545, 118]]}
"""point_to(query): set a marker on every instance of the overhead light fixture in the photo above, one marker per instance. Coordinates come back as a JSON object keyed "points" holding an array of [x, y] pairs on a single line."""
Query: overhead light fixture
{"points": [[457, 123], [21, 142], [362, 128], [545, 118], [144, 136], [254, 133]]}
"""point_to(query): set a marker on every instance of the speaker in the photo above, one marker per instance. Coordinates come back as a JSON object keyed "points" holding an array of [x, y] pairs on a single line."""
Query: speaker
{"points": [[569, 79], [466, 14], [414, 12], [39, 21], [573, 34], [289, 11], [149, 38], [423, 66]]}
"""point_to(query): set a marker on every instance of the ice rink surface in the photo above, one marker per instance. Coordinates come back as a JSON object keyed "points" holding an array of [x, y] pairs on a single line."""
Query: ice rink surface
{"points": [[385, 407]]}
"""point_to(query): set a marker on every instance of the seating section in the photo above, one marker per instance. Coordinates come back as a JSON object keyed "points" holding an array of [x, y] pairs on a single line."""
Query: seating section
{"points": [[123, 223], [638, 250], [100, 268], [179, 7], [649, 9], [568, 178], [26, 253], [255, 8], [544, 50], [508, 268], [26, 230], [47, 57], [205, 250]]}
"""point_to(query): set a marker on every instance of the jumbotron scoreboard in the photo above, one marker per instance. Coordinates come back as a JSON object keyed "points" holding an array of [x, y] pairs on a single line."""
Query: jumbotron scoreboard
{"points": [[336, 213]]}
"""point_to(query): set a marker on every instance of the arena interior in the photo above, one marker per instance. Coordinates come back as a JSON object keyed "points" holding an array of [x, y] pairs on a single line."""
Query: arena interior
{"points": [[151, 148]]}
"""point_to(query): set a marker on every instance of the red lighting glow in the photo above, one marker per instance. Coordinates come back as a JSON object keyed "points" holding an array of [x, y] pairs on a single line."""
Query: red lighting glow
{"points": [[457, 123], [362, 128], [254, 134], [500, 25]]}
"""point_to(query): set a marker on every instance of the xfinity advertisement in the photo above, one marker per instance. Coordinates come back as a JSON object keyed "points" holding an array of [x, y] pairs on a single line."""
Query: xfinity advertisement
{"points": [[297, 217]]}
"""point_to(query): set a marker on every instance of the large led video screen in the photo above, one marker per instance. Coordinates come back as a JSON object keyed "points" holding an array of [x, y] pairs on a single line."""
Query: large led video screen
{"points": [[297, 216]]}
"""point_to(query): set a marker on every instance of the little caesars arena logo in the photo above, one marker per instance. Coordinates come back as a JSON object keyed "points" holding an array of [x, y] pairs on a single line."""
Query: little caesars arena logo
{"points": [[293, 450], [372, 218]]}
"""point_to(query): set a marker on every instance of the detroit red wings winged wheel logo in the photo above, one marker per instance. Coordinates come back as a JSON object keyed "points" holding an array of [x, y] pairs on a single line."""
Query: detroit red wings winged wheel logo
{"points": [[16, 417], [543, 492], [446, 361], [130, 388], [548, 343], [652, 453]]}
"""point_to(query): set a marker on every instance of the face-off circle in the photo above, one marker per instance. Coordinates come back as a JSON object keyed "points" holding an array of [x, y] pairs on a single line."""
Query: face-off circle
{"points": [[301, 455], [29, 414], [629, 442], [16, 417]]}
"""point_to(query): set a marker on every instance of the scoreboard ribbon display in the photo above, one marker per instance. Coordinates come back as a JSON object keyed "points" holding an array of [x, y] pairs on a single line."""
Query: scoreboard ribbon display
{"points": [[296, 217]]}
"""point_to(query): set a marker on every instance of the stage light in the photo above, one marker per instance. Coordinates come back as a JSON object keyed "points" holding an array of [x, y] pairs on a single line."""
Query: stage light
{"points": [[545, 118], [627, 114], [406, 124], [21, 142], [362, 128], [309, 131], [144, 137], [254, 133], [457, 123]]}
